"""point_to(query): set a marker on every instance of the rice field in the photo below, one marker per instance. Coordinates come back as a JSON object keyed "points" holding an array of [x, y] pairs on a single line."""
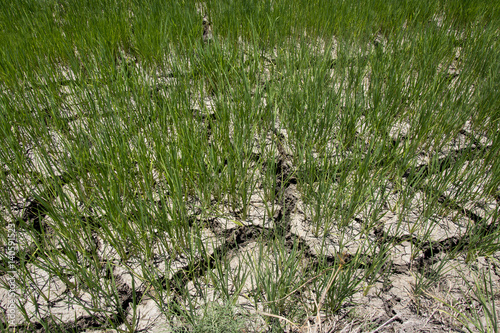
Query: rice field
{"points": [[249, 166]]}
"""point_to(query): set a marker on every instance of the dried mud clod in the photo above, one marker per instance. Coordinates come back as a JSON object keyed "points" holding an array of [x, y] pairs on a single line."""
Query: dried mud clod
{"points": [[207, 29]]}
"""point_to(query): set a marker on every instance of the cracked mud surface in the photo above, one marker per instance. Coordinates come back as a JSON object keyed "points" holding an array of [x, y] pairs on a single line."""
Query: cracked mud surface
{"points": [[400, 252], [234, 239]]}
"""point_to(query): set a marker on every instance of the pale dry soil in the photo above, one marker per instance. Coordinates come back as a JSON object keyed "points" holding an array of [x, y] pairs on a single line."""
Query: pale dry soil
{"points": [[390, 303]]}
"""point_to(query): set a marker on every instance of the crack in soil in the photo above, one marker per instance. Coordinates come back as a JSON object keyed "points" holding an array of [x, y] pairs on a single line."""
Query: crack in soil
{"points": [[38, 208]]}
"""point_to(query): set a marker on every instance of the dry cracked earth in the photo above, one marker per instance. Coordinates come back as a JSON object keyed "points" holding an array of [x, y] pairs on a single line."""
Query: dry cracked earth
{"points": [[388, 303]]}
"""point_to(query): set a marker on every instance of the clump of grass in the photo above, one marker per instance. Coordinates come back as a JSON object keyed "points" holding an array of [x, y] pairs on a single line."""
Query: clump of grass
{"points": [[219, 318]]}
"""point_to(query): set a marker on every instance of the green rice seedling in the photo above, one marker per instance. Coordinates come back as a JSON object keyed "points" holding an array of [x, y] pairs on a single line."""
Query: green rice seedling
{"points": [[160, 29], [319, 193], [275, 277], [220, 318], [338, 284], [376, 267], [427, 277], [482, 315]]}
